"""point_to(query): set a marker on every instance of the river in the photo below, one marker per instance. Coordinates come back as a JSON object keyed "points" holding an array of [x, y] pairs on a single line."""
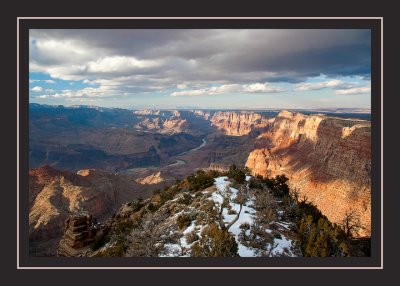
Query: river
{"points": [[195, 149], [180, 162]]}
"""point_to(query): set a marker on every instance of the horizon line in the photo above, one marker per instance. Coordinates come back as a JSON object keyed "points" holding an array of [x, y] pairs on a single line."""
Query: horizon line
{"points": [[367, 109]]}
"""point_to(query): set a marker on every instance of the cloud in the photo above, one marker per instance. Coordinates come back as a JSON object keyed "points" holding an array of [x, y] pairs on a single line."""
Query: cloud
{"points": [[42, 80], [196, 62], [87, 92], [230, 88], [195, 92], [262, 88], [319, 85], [228, 56], [119, 64], [181, 86], [37, 89], [355, 90]]}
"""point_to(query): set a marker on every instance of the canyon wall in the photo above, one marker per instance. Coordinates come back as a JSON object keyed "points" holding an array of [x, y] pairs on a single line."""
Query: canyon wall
{"points": [[239, 123], [328, 160]]}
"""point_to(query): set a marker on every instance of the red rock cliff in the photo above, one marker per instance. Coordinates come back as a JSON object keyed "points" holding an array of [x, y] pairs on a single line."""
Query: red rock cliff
{"points": [[327, 159], [238, 123]]}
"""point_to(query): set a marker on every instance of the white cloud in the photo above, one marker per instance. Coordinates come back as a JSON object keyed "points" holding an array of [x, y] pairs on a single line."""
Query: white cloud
{"points": [[230, 88], [37, 89], [334, 83], [42, 80], [194, 92], [49, 90], [262, 88], [356, 90], [181, 86], [119, 64], [87, 92]]}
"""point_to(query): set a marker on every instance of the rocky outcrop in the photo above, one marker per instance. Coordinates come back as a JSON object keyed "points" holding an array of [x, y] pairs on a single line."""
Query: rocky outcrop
{"points": [[79, 232], [239, 123], [54, 195], [174, 124], [327, 159], [152, 179], [206, 115], [218, 167], [165, 125]]}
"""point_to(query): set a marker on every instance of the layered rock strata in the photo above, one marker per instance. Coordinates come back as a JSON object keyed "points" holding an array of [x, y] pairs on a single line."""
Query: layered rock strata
{"points": [[239, 123], [79, 232], [328, 160]]}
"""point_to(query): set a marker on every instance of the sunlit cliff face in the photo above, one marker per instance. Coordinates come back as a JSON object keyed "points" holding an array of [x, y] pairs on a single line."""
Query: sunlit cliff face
{"points": [[327, 159]]}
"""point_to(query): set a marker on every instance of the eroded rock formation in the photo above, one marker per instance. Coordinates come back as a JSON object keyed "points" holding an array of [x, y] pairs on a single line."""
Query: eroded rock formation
{"points": [[54, 195], [239, 123], [152, 179], [79, 232], [327, 159]]}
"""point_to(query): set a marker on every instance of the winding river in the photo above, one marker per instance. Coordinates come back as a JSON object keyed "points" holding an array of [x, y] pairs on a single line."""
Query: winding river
{"points": [[181, 162], [195, 149]]}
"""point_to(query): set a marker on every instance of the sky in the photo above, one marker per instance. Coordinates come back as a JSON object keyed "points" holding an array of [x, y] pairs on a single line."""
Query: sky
{"points": [[202, 68]]}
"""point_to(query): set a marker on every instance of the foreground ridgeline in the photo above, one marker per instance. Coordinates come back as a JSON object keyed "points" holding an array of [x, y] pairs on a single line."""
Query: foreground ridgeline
{"points": [[213, 214]]}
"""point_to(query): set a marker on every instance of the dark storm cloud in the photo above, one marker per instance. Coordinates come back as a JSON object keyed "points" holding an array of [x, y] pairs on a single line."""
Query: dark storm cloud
{"points": [[161, 59]]}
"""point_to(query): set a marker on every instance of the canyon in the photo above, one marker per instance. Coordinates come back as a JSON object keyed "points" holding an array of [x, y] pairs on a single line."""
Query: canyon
{"points": [[95, 159], [55, 194]]}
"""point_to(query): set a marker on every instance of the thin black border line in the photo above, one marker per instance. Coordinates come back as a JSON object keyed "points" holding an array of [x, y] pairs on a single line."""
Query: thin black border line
{"points": [[201, 18]]}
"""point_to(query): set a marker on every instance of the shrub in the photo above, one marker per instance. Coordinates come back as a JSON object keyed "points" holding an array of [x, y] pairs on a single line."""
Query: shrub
{"points": [[99, 241], [277, 235], [191, 237], [245, 226], [167, 194], [186, 199], [117, 250], [136, 204], [215, 242], [281, 187], [207, 206], [259, 238], [232, 212], [318, 236], [183, 221], [200, 180], [124, 227], [256, 183], [237, 174], [152, 208]]}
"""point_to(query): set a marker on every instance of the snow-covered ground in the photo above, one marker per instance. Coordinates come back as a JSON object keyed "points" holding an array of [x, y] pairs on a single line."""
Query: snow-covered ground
{"points": [[247, 215]]}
